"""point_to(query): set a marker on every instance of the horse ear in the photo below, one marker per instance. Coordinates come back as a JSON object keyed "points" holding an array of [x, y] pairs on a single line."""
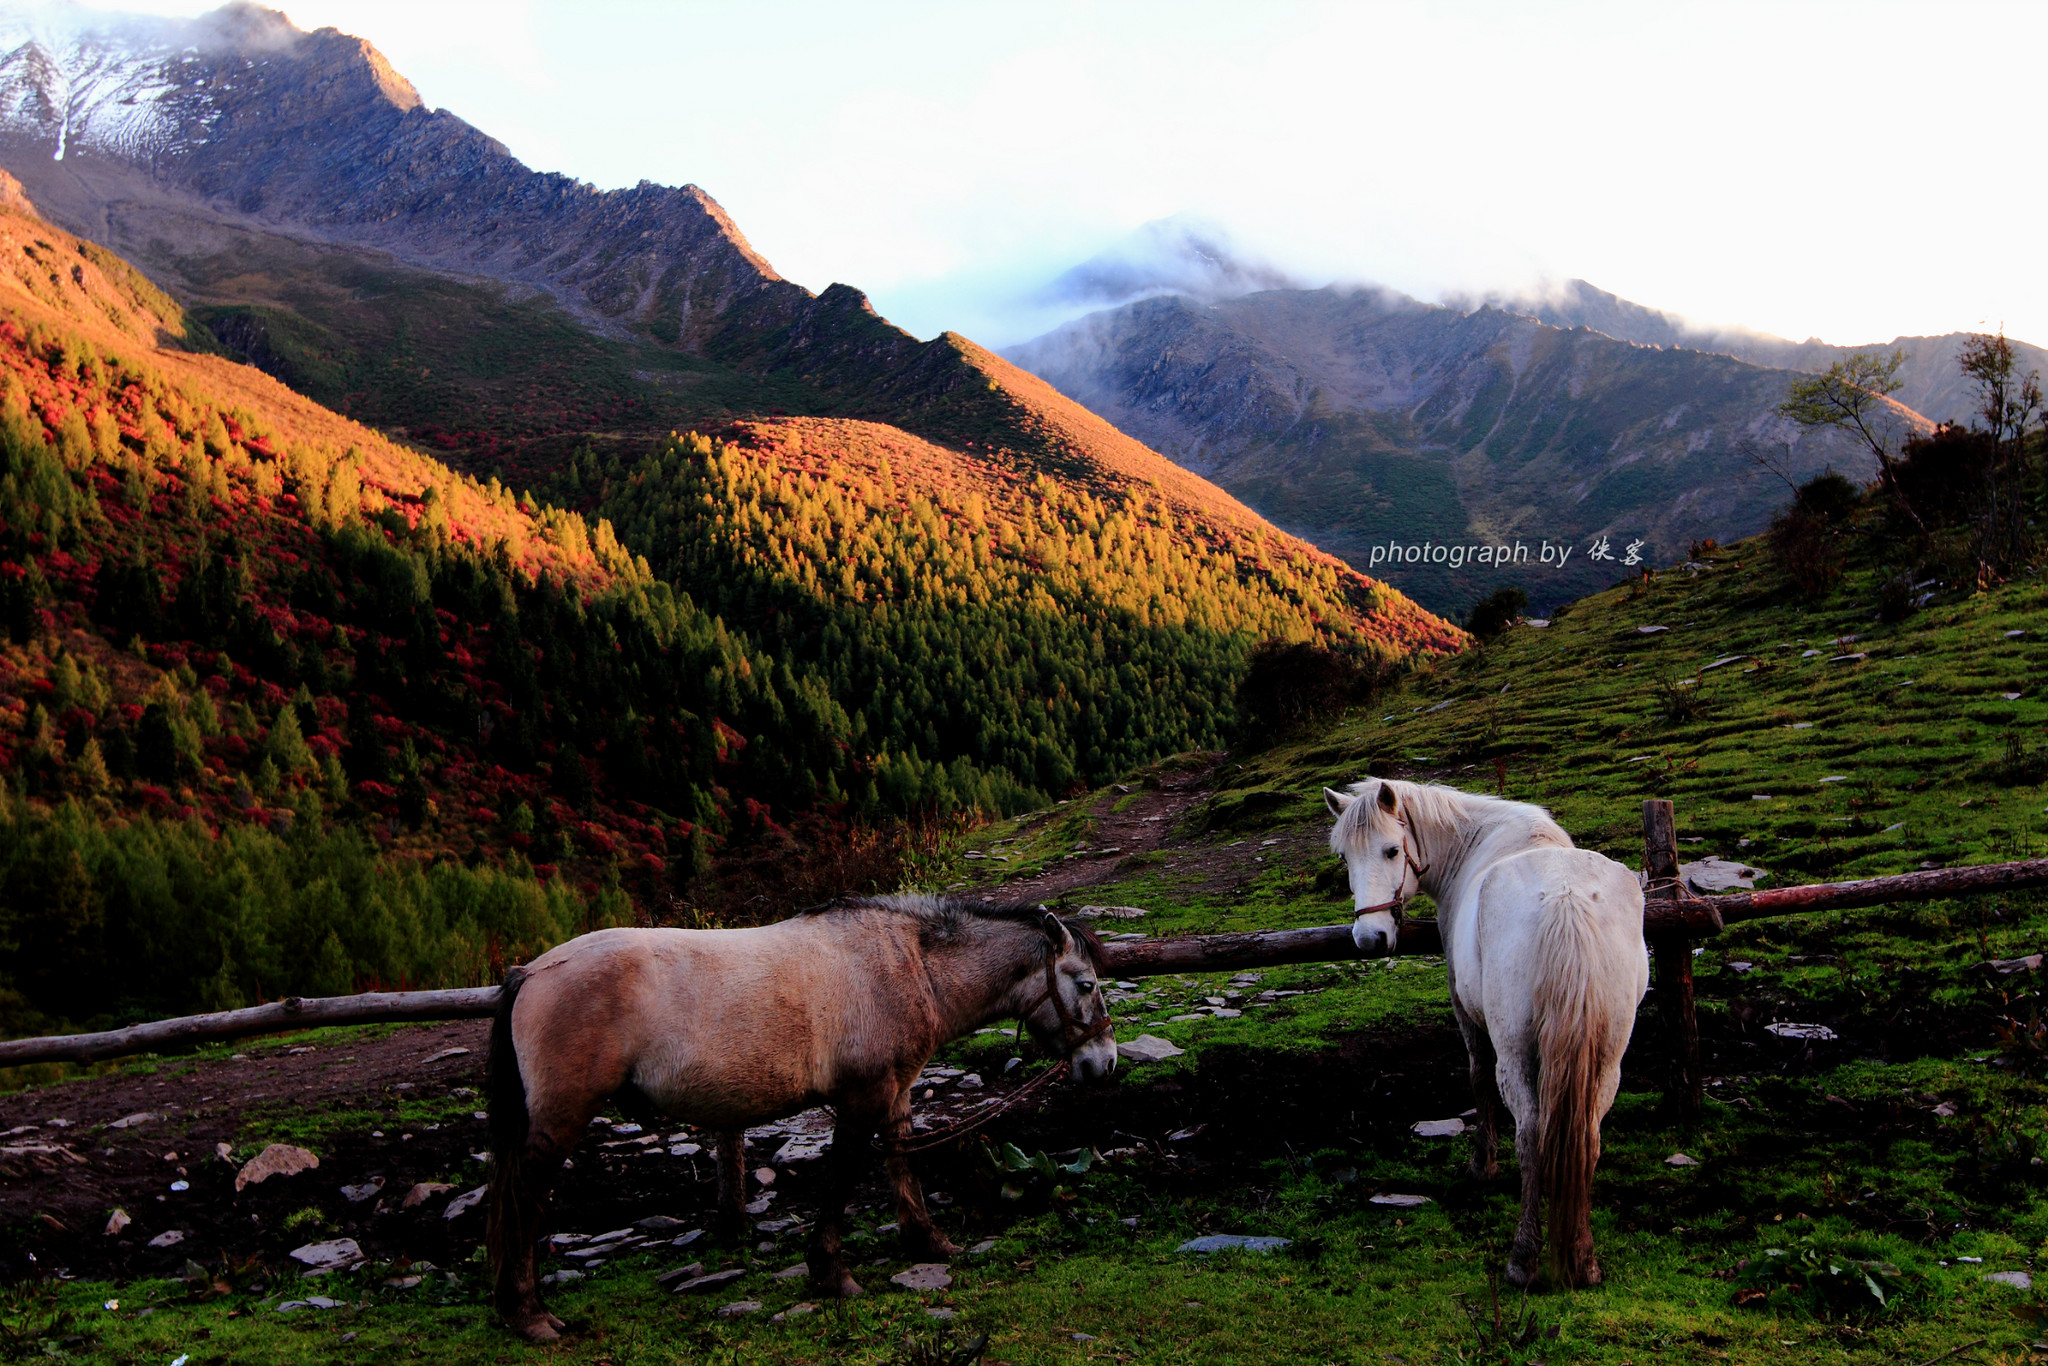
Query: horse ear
{"points": [[1054, 930], [1389, 803], [1338, 802]]}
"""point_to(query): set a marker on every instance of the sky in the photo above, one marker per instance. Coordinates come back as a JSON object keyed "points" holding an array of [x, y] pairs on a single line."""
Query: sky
{"points": [[1851, 172]]}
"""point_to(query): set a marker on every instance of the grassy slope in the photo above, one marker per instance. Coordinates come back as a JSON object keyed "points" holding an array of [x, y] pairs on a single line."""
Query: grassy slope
{"points": [[1844, 1141]]}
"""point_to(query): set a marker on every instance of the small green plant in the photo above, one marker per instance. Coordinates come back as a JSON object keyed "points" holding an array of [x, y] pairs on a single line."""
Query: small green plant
{"points": [[1031, 1178], [1832, 1282], [301, 1220], [1503, 1336], [942, 1350]]}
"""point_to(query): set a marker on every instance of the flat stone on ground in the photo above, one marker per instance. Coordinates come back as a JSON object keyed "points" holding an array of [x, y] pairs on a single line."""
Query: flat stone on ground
{"points": [[1148, 1048], [1394, 1201], [328, 1256], [1231, 1242], [279, 1159], [924, 1276], [1437, 1128], [698, 1285]]}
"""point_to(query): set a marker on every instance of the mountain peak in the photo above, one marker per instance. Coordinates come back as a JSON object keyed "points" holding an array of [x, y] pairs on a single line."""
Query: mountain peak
{"points": [[1183, 254]]}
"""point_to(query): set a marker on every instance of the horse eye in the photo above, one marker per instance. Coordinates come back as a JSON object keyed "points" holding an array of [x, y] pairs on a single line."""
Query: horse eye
{"points": [[1084, 987], [1392, 852]]}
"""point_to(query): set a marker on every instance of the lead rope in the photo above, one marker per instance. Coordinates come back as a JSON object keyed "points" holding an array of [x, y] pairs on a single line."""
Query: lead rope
{"points": [[1030, 1090]]}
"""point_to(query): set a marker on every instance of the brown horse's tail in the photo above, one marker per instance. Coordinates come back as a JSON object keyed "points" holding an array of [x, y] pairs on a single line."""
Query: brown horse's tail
{"points": [[505, 1097], [1573, 1047]]}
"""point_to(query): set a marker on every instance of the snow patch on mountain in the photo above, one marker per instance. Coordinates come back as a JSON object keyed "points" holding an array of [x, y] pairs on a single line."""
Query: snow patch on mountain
{"points": [[79, 85]]}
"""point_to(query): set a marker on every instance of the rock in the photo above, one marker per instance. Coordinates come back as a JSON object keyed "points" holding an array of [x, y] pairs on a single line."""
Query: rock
{"points": [[444, 1055], [355, 1195], [791, 1273], [685, 1149], [170, 1239], [1183, 1135], [941, 1312], [625, 1130], [1231, 1242], [1946, 1110], [760, 1206], [685, 1239], [659, 1223], [1147, 1048], [423, 1192], [738, 1309], [464, 1203], [117, 1221], [777, 1226], [1800, 1031], [794, 1311], [402, 1282], [130, 1121], [2018, 1280], [1109, 913], [279, 1159], [2005, 967], [333, 1255], [765, 1175], [1651, 630], [1739, 965], [1437, 1128], [971, 1082], [984, 1246], [1081, 1337], [669, 1279], [698, 1285], [924, 1276], [1718, 875], [315, 1302], [1681, 1160], [1394, 1201]]}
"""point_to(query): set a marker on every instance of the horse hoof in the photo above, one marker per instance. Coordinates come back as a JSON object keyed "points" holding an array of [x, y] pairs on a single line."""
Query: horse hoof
{"points": [[542, 1329], [937, 1248], [557, 1324]]}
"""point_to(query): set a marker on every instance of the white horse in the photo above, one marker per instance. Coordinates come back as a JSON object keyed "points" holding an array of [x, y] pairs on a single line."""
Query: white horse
{"points": [[1544, 943]]}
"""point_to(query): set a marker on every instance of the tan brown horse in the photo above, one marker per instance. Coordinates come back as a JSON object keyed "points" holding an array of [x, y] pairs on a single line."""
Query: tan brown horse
{"points": [[727, 1029]]}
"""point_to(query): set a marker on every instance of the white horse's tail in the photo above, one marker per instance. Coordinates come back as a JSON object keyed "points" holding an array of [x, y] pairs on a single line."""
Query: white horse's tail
{"points": [[1575, 1005]]}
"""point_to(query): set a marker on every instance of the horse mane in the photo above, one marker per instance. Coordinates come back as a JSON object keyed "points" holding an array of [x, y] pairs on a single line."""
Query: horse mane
{"points": [[941, 918], [1435, 810]]}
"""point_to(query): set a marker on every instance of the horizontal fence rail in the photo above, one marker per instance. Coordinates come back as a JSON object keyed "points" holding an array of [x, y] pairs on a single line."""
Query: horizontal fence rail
{"points": [[1685, 918]]}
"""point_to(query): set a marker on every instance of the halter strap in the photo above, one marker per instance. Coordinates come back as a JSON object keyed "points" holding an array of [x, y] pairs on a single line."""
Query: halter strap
{"points": [[1074, 1033], [1401, 899]]}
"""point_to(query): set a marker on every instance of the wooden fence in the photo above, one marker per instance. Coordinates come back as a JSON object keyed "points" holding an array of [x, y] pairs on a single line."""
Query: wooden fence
{"points": [[1673, 918]]}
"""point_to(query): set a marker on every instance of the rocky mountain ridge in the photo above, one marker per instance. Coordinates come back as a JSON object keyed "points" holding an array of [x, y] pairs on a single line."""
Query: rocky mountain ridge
{"points": [[1364, 419]]}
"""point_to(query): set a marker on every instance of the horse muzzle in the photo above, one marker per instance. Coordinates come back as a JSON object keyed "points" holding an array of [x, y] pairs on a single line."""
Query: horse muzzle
{"points": [[1093, 1060], [1376, 930]]}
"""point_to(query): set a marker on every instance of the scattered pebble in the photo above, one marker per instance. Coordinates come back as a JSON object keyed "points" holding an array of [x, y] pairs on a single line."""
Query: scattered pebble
{"points": [[170, 1239], [1681, 1160], [1786, 1030]]}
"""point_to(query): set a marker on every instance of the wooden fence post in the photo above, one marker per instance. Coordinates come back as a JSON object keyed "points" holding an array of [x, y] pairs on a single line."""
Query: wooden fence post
{"points": [[1672, 952]]}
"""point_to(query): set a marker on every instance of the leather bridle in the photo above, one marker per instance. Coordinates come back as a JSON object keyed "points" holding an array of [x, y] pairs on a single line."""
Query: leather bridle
{"points": [[1074, 1032], [1401, 898]]}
